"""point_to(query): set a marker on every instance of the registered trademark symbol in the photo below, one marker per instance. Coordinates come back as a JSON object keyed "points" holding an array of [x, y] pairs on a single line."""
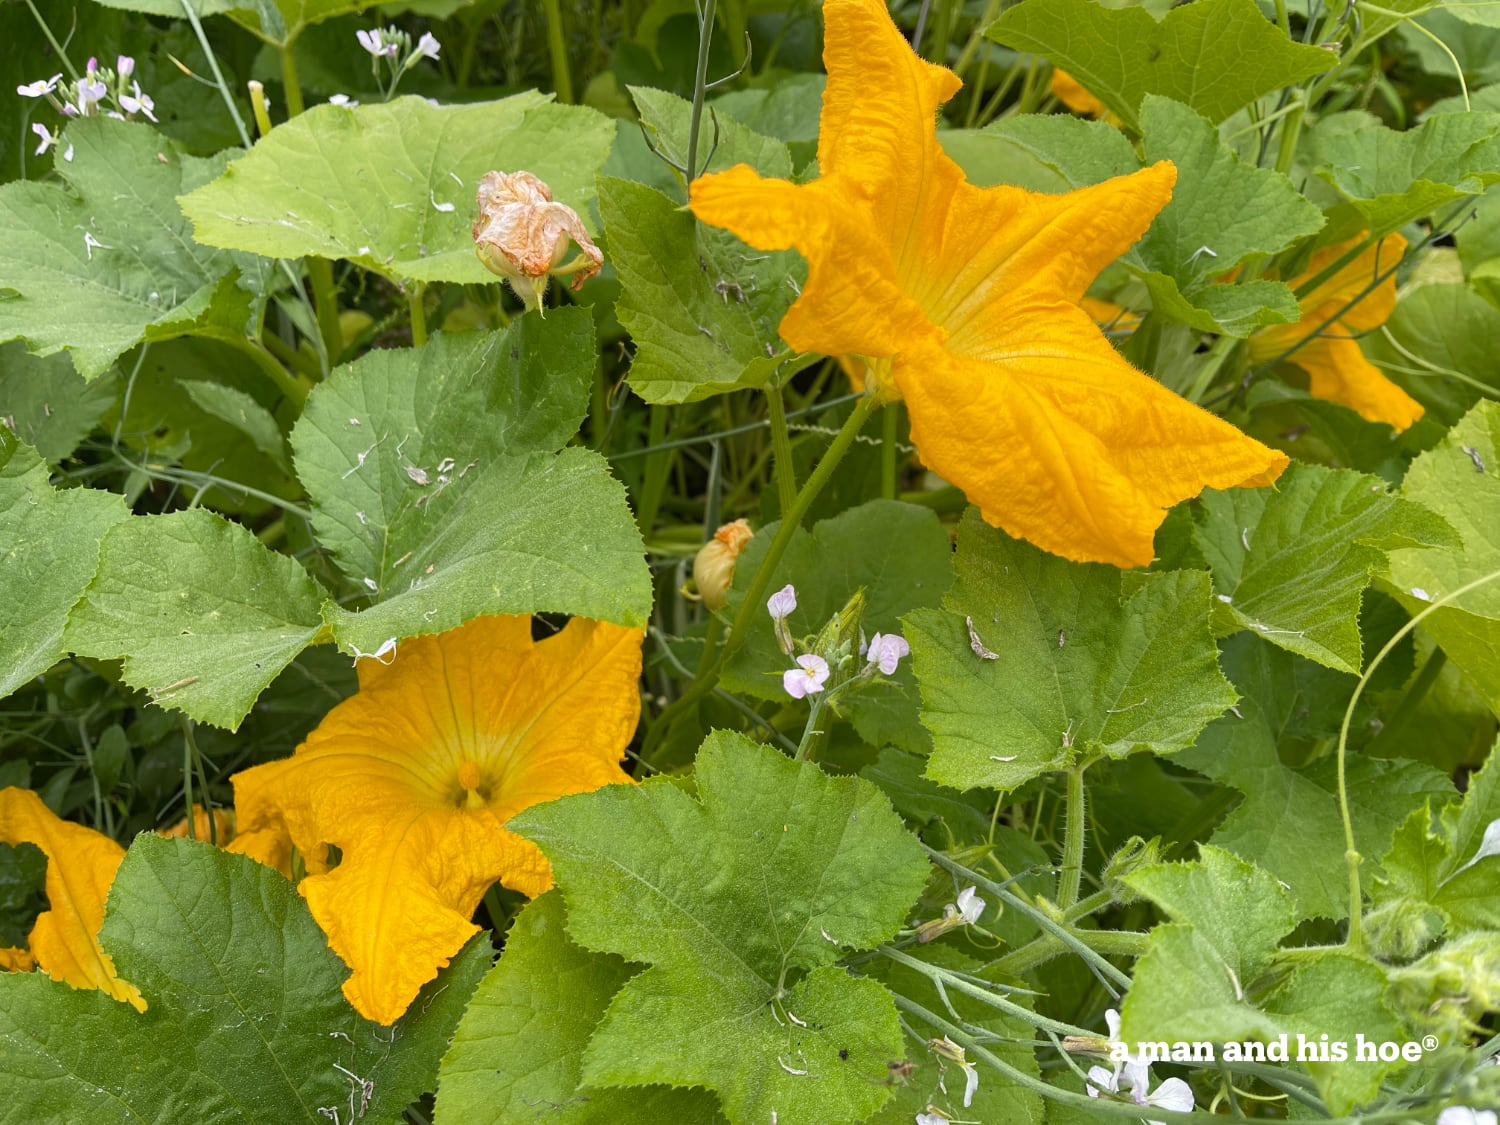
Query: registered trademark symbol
{"points": [[1429, 1042]]}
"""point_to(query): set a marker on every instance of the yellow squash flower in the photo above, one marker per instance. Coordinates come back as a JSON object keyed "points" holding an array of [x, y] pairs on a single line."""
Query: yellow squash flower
{"points": [[1325, 336], [81, 865], [413, 778], [964, 302], [1073, 94]]}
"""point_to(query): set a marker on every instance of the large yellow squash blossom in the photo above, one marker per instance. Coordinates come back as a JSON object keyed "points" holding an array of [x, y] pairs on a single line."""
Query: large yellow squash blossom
{"points": [[1325, 337], [964, 302], [412, 779], [81, 865]]}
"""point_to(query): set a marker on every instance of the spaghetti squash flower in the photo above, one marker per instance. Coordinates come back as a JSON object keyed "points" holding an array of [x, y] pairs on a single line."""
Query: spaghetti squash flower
{"points": [[964, 302], [1325, 336], [413, 778], [81, 865], [1073, 94]]}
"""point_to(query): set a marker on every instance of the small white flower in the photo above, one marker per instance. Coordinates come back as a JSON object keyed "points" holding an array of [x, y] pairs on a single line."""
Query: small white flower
{"points": [[90, 92], [375, 42], [807, 678], [48, 137], [68, 153], [1173, 1094], [125, 66], [39, 88], [886, 650], [139, 103], [1463, 1115], [971, 1082], [931, 1119], [782, 603], [970, 905], [428, 46], [344, 100]]}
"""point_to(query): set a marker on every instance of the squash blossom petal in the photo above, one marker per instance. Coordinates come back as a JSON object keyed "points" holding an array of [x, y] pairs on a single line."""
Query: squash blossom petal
{"points": [[1073, 94], [713, 566], [964, 301], [81, 865], [1325, 336], [413, 778]]}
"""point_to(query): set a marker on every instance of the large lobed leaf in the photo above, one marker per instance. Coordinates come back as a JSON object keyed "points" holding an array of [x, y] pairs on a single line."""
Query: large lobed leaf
{"points": [[1291, 563], [1079, 667], [203, 614], [1222, 211], [245, 1020], [1289, 822], [391, 186], [49, 546], [701, 307], [1460, 480], [435, 478], [1214, 55], [108, 260], [522, 1038], [741, 901]]}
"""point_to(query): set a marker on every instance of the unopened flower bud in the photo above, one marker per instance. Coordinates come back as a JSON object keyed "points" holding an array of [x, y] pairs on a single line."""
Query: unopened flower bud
{"points": [[713, 569], [523, 236], [780, 606]]}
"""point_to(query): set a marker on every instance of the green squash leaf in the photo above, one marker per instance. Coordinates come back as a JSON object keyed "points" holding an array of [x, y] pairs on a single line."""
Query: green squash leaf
{"points": [[108, 260], [740, 901], [278, 22], [1342, 995], [1292, 562], [47, 403], [391, 186], [1080, 669], [700, 305], [435, 479], [1227, 918], [1289, 822], [1460, 480], [1391, 178], [1213, 55], [245, 1020], [521, 1041], [203, 614], [1222, 211], [49, 546]]}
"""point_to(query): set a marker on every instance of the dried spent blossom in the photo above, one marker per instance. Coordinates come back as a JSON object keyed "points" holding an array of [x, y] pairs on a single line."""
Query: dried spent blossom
{"points": [[713, 567], [522, 234]]}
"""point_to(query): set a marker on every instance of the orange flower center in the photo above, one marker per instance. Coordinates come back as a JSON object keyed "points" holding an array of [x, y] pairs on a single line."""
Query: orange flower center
{"points": [[473, 790]]}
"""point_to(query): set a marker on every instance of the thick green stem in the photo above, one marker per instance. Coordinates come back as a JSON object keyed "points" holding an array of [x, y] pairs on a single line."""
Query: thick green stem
{"points": [[781, 444], [287, 383], [291, 87], [1209, 367], [418, 315], [1042, 918], [557, 47], [326, 303], [1075, 829], [790, 521], [951, 980], [700, 86]]}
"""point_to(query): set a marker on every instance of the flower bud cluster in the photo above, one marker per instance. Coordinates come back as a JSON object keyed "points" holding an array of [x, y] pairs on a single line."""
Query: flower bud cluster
{"points": [[99, 92]]}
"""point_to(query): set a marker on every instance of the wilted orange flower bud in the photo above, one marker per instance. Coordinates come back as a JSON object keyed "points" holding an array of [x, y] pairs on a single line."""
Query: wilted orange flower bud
{"points": [[522, 235], [713, 569]]}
